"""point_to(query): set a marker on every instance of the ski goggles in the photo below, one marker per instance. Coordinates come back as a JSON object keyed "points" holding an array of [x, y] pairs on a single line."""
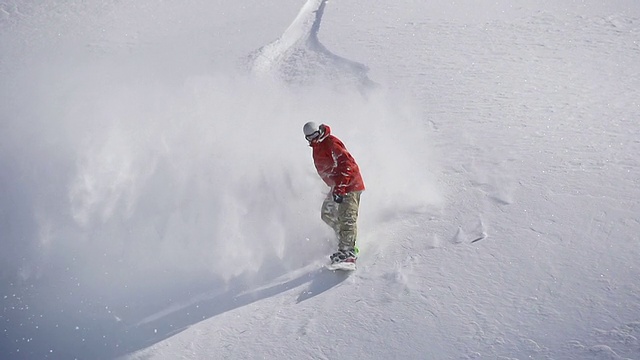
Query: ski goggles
{"points": [[314, 135]]}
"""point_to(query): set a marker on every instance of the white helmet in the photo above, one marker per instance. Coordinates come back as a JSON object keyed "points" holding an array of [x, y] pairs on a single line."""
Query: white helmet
{"points": [[311, 131]]}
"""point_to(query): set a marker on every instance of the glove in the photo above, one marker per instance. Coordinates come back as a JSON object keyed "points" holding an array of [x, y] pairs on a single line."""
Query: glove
{"points": [[338, 198]]}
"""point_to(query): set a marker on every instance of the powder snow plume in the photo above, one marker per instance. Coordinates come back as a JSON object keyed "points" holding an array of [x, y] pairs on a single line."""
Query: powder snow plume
{"points": [[138, 171]]}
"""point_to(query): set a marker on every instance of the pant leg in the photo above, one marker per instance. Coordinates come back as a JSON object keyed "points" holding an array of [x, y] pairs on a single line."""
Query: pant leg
{"points": [[347, 220], [329, 213]]}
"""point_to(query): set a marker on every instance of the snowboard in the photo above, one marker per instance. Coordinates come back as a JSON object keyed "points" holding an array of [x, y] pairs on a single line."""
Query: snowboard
{"points": [[344, 266]]}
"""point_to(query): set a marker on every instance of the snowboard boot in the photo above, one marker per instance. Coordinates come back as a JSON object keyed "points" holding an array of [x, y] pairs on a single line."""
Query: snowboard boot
{"points": [[345, 255]]}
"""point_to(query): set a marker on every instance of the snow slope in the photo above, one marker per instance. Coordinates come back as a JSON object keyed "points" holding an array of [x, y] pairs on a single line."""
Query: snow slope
{"points": [[158, 202]]}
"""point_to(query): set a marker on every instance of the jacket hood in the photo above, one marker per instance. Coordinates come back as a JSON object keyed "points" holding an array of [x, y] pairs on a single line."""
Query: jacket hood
{"points": [[326, 131]]}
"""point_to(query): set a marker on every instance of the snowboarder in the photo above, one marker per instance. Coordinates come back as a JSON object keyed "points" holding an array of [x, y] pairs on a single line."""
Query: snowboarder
{"points": [[339, 170]]}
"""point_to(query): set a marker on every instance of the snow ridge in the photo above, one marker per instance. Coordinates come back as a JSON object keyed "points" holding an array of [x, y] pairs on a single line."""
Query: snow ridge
{"points": [[298, 56]]}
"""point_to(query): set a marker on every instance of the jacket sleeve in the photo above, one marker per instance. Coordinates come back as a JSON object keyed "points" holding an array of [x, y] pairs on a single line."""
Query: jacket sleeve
{"points": [[342, 170]]}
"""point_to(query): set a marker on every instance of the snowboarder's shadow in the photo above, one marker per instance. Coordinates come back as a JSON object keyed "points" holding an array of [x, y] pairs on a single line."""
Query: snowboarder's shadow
{"points": [[323, 280], [146, 333]]}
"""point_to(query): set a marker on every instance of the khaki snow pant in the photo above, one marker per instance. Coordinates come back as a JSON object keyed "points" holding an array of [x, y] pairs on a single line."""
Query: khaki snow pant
{"points": [[342, 218]]}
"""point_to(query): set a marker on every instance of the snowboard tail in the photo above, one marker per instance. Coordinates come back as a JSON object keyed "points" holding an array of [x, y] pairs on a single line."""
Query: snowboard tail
{"points": [[344, 266]]}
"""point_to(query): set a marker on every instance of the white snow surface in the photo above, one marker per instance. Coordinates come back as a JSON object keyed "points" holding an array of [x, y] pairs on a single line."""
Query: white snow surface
{"points": [[158, 199]]}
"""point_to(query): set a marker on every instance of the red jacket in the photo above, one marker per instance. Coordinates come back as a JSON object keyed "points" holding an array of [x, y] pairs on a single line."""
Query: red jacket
{"points": [[335, 164]]}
